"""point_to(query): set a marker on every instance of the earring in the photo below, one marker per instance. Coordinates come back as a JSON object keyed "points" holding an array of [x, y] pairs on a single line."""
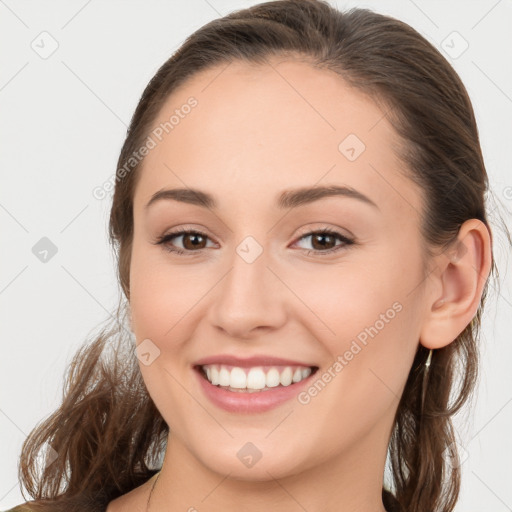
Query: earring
{"points": [[425, 375], [429, 358]]}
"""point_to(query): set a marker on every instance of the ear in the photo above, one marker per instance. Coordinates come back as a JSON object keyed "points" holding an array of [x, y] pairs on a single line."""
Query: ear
{"points": [[457, 285]]}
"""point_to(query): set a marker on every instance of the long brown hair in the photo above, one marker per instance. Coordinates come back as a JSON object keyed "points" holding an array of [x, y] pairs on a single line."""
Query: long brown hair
{"points": [[107, 436]]}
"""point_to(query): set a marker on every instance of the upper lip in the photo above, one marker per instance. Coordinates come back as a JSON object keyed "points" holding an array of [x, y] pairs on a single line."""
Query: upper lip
{"points": [[262, 360]]}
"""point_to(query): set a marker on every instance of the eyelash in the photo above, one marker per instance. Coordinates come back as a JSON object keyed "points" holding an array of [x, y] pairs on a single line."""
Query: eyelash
{"points": [[166, 238]]}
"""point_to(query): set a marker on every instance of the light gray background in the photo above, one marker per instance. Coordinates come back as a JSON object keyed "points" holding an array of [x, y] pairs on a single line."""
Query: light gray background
{"points": [[63, 120]]}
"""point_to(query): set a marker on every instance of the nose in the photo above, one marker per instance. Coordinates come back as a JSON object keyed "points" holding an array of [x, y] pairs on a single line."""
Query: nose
{"points": [[249, 299]]}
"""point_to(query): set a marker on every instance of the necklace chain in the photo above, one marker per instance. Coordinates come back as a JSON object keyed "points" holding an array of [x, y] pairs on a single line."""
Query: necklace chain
{"points": [[151, 492]]}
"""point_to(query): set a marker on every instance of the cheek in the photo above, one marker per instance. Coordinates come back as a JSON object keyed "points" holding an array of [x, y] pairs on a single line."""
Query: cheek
{"points": [[164, 306], [368, 321], [163, 295], [342, 299], [366, 310]]}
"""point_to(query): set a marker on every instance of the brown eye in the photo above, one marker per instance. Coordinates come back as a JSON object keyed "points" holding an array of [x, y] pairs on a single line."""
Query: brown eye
{"points": [[193, 241], [324, 241]]}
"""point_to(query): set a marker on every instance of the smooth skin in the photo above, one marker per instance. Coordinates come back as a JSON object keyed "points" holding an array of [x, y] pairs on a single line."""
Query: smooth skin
{"points": [[257, 131]]}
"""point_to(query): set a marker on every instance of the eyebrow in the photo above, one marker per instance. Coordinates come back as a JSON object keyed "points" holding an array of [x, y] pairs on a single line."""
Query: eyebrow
{"points": [[287, 199]]}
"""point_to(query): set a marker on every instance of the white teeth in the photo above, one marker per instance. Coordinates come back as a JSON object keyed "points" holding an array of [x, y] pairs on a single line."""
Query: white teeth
{"points": [[286, 377], [272, 378], [306, 372], [238, 378], [256, 378], [224, 377]]}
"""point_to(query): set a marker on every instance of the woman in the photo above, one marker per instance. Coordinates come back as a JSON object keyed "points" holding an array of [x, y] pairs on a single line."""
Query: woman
{"points": [[303, 244]]}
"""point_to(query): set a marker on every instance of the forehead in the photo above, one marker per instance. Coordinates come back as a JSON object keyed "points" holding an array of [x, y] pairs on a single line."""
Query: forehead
{"points": [[259, 129]]}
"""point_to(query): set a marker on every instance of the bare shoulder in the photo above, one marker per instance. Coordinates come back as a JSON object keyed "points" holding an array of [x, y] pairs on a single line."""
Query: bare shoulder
{"points": [[133, 501]]}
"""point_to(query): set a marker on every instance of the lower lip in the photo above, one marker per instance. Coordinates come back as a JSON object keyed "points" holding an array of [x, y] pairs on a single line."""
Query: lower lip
{"points": [[245, 402]]}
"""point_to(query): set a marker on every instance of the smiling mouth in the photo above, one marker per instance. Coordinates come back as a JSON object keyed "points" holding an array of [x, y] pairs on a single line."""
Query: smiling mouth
{"points": [[254, 379]]}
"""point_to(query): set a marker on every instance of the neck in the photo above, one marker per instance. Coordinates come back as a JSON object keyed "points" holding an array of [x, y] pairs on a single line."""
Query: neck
{"points": [[350, 481]]}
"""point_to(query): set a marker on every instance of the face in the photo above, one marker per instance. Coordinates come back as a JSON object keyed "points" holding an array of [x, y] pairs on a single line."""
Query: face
{"points": [[257, 277]]}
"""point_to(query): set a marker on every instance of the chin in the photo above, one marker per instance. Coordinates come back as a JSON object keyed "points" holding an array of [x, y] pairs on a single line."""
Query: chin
{"points": [[246, 462]]}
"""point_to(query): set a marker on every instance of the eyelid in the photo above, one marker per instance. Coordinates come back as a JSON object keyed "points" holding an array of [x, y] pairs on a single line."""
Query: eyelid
{"points": [[318, 226], [186, 228]]}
